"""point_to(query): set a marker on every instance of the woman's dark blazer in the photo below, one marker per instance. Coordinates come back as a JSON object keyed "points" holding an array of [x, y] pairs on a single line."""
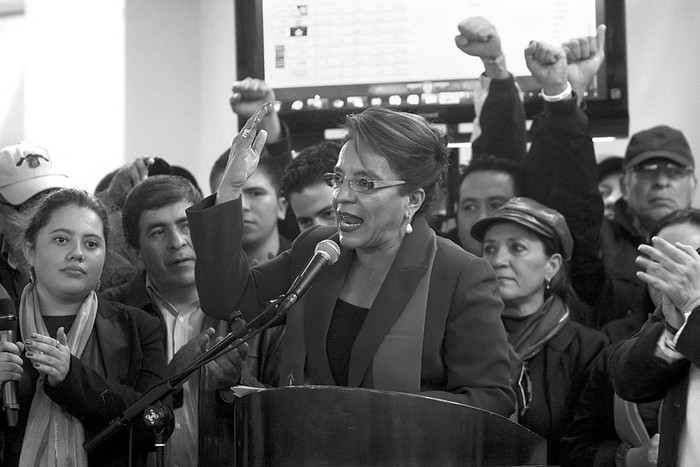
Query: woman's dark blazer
{"points": [[464, 354], [133, 358]]}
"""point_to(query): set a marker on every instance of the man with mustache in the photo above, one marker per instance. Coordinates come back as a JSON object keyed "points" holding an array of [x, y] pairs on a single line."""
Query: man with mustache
{"points": [[156, 228]]}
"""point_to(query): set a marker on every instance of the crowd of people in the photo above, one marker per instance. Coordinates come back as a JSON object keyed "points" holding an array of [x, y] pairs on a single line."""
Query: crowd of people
{"points": [[563, 299]]}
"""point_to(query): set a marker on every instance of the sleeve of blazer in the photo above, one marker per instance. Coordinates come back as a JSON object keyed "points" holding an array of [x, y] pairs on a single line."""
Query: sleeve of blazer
{"points": [[475, 346], [224, 281], [561, 172], [502, 122], [96, 400], [637, 374], [688, 341]]}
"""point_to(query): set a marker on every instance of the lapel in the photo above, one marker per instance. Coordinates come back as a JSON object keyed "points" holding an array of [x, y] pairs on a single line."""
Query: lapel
{"points": [[136, 294], [111, 339], [556, 350], [408, 268]]}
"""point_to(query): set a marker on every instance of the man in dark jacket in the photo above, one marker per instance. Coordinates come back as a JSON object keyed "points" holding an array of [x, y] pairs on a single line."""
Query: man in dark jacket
{"points": [[156, 227], [658, 180]]}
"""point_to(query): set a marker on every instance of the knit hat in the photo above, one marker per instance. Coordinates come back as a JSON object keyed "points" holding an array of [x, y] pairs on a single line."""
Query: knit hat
{"points": [[659, 142], [26, 170]]}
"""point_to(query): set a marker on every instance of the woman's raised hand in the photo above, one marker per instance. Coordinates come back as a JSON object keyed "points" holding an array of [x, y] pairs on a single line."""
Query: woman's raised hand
{"points": [[243, 157]]}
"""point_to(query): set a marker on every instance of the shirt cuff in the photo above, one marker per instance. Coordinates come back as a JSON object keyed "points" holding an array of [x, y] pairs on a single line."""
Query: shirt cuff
{"points": [[666, 347], [565, 94]]}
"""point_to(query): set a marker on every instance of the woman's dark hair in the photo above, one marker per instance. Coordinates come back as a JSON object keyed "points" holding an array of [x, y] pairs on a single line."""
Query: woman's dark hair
{"points": [[684, 216], [561, 285], [560, 282], [42, 211], [154, 193], [414, 149]]}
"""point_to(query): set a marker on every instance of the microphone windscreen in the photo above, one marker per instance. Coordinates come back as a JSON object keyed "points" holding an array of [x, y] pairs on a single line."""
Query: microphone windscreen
{"points": [[329, 249]]}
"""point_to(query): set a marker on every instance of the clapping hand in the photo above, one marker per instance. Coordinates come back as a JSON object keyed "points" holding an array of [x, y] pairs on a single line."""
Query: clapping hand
{"points": [[50, 357], [227, 369], [674, 270]]}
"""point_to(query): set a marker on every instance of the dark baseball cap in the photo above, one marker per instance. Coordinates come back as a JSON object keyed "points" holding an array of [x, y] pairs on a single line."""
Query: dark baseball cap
{"points": [[659, 142]]}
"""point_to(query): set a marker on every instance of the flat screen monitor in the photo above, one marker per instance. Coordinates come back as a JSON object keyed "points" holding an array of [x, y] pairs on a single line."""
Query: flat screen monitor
{"points": [[328, 58]]}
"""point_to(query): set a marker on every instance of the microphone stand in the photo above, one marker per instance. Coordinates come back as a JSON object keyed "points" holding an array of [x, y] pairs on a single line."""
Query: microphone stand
{"points": [[240, 333]]}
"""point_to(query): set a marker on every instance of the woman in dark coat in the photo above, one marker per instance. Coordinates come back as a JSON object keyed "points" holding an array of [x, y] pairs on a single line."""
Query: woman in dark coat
{"points": [[81, 361], [528, 245], [401, 309]]}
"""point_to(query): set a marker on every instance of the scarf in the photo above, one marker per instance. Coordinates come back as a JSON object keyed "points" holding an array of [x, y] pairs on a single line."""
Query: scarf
{"points": [[53, 437], [529, 339]]}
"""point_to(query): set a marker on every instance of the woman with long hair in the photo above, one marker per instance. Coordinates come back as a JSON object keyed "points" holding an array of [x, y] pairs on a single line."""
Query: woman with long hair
{"points": [[81, 360]]}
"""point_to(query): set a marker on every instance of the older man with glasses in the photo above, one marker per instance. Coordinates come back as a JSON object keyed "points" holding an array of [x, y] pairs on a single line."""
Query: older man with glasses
{"points": [[658, 180]]}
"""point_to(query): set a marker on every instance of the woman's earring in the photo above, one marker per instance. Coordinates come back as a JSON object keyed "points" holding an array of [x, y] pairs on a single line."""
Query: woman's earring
{"points": [[409, 227], [547, 284]]}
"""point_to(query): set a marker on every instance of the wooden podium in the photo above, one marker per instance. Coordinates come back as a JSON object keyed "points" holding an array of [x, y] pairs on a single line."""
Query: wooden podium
{"points": [[330, 425]]}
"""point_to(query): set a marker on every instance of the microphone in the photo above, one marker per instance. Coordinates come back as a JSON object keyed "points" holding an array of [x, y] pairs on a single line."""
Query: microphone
{"points": [[326, 252], [8, 333]]}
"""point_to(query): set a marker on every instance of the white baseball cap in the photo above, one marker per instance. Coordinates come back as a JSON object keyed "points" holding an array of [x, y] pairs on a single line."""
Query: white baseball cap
{"points": [[26, 170]]}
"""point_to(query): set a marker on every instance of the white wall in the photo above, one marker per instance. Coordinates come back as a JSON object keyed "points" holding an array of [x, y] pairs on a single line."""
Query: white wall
{"points": [[663, 61], [12, 31], [180, 64], [74, 84], [112, 80]]}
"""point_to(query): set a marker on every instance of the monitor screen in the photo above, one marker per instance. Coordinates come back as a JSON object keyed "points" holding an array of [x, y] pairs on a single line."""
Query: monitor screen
{"points": [[328, 58]]}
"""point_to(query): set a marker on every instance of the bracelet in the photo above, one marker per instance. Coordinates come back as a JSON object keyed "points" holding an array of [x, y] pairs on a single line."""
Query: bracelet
{"points": [[565, 94]]}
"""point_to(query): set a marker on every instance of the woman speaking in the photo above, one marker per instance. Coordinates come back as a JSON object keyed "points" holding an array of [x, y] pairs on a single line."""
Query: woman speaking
{"points": [[402, 309]]}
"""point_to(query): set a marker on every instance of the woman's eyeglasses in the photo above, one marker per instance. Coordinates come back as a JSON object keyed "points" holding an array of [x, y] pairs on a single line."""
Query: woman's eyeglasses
{"points": [[359, 184]]}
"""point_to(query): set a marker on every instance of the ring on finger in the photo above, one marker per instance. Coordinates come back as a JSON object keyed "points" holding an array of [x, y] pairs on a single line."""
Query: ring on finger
{"points": [[58, 345]]}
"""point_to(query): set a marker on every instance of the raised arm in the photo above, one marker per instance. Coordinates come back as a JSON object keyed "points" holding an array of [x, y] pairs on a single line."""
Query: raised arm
{"points": [[561, 169], [499, 126], [224, 281]]}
